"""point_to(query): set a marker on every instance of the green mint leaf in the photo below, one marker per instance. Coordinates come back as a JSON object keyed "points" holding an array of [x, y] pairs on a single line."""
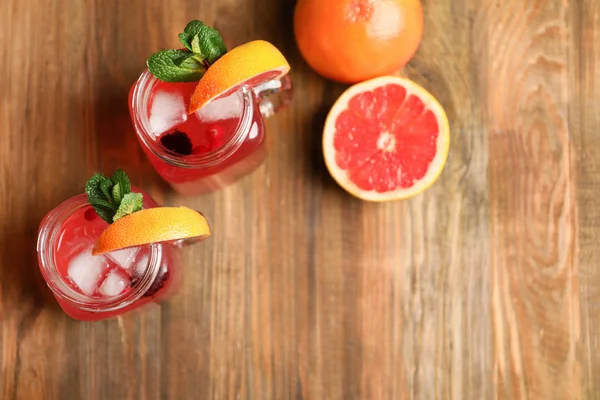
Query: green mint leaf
{"points": [[93, 188], [169, 66], [104, 213], [186, 40], [104, 204], [210, 43], [121, 186], [192, 31], [194, 27], [196, 45], [106, 189], [97, 197], [203, 40], [212, 46], [190, 61], [117, 194], [131, 203], [103, 208], [120, 178]]}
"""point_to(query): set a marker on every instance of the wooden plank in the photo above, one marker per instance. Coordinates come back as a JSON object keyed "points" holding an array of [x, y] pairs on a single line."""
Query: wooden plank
{"points": [[584, 122], [64, 116], [35, 174], [441, 283], [535, 298]]}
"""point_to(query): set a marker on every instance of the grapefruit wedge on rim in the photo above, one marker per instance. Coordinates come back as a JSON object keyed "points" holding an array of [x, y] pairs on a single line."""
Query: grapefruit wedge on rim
{"points": [[386, 139], [152, 225], [249, 64]]}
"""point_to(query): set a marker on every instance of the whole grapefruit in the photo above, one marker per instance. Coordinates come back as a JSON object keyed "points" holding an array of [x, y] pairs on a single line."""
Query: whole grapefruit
{"points": [[354, 40]]}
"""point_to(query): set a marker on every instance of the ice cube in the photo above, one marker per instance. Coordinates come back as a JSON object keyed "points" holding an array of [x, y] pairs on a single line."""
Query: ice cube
{"points": [[168, 110], [123, 258], [141, 265], [115, 282], [85, 271], [219, 109]]}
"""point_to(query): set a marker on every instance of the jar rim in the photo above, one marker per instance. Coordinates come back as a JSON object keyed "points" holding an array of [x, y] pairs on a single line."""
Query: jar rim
{"points": [[50, 228], [138, 105]]}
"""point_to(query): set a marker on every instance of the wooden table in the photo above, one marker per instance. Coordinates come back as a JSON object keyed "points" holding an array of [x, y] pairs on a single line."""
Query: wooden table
{"points": [[486, 286]]}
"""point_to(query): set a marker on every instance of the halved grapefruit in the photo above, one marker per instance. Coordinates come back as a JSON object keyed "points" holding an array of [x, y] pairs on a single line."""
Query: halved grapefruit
{"points": [[249, 64], [386, 139]]}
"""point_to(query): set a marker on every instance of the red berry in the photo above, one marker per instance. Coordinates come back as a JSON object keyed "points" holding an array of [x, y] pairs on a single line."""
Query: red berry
{"points": [[178, 142]]}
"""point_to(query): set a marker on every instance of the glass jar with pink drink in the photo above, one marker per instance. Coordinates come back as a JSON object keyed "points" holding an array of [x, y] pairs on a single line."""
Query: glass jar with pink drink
{"points": [[90, 286], [197, 147]]}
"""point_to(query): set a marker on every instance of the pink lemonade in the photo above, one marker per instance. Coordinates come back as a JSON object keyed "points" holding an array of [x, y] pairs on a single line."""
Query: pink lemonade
{"points": [[197, 152], [90, 287]]}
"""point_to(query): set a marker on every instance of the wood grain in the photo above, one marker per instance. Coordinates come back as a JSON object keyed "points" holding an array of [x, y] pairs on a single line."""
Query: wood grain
{"points": [[584, 121], [484, 287], [535, 298]]}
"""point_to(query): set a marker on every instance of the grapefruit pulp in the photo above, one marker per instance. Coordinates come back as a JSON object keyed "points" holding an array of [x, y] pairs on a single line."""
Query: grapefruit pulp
{"points": [[386, 139]]}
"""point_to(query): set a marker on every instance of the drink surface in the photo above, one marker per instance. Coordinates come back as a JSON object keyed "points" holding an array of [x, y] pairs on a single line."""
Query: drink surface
{"points": [[205, 131]]}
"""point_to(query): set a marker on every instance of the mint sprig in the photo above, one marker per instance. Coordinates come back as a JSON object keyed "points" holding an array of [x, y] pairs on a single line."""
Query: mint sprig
{"points": [[111, 197], [175, 66], [131, 203], [204, 41], [203, 46]]}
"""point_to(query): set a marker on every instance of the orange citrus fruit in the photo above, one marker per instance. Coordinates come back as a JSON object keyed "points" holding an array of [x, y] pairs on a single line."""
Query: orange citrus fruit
{"points": [[354, 40], [152, 225], [249, 64], [386, 139]]}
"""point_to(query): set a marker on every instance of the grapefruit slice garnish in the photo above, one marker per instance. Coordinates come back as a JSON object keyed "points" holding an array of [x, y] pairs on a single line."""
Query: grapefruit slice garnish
{"points": [[249, 64], [386, 139], [152, 225]]}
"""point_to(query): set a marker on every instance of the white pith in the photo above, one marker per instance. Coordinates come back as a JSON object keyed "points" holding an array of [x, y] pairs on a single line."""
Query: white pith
{"points": [[384, 142]]}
